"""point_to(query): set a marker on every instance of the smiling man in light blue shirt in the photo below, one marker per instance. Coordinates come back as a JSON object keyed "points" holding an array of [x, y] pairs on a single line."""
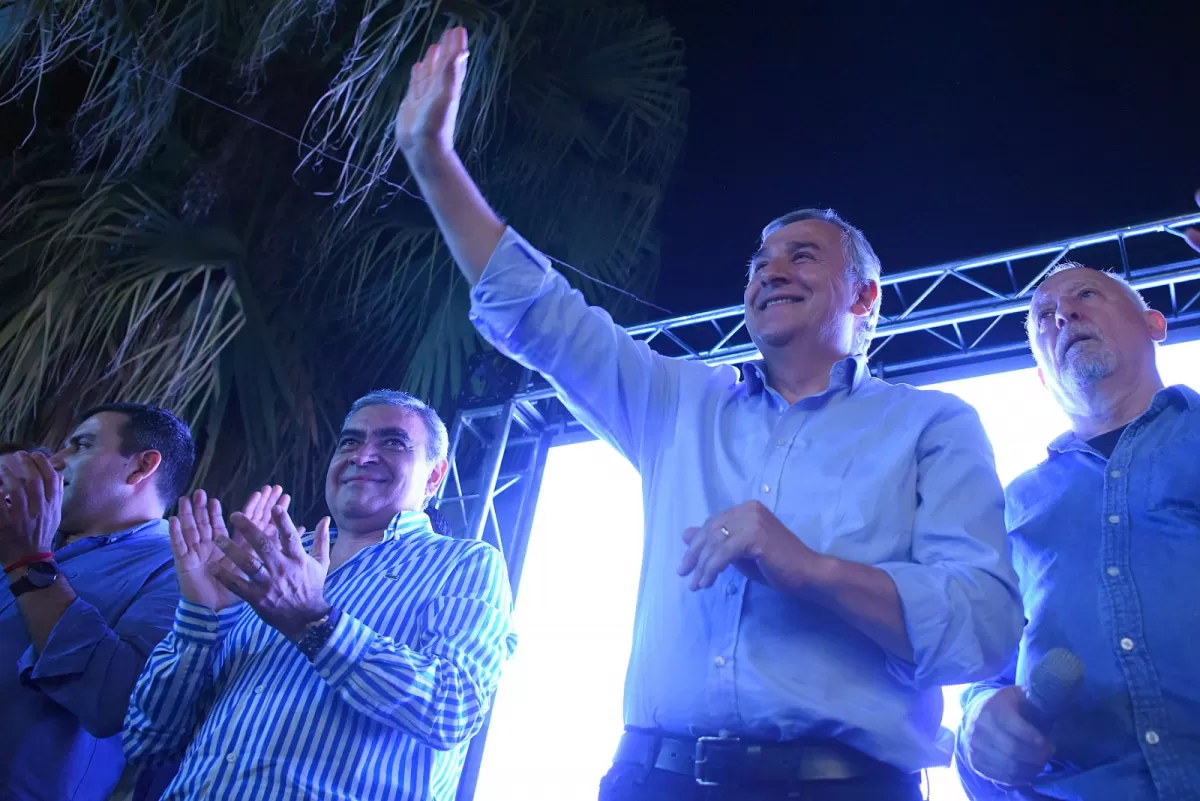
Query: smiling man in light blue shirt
{"points": [[823, 550]]}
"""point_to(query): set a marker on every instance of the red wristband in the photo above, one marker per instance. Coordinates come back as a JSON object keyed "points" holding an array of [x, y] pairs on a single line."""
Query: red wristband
{"points": [[28, 560]]}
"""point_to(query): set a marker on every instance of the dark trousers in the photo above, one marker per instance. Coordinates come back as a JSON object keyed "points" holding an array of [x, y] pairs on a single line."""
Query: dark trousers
{"points": [[631, 782]]}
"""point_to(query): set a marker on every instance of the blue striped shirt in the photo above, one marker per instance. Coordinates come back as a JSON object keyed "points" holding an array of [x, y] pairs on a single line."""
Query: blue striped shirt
{"points": [[384, 711]]}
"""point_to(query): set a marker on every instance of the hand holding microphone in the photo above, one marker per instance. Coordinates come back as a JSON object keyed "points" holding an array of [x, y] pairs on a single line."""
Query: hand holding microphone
{"points": [[1005, 736]]}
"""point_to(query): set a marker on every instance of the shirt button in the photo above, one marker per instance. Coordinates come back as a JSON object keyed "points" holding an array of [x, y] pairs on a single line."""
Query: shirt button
{"points": [[731, 589], [1114, 518], [210, 626], [258, 689], [1115, 474], [231, 758], [1127, 644], [1152, 737], [1114, 571], [324, 674], [719, 661], [765, 488], [780, 442]]}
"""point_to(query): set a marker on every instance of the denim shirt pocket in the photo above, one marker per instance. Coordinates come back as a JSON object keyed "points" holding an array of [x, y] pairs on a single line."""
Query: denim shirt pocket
{"points": [[1174, 485]]}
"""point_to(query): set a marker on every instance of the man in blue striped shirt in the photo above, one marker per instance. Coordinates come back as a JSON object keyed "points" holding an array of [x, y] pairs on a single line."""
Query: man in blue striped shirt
{"points": [[362, 660]]}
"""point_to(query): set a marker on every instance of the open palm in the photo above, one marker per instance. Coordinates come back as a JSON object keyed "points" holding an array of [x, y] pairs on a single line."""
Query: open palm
{"points": [[194, 532], [430, 106]]}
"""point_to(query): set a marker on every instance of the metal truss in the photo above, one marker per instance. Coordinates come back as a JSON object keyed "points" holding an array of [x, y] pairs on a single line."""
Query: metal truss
{"points": [[932, 318]]}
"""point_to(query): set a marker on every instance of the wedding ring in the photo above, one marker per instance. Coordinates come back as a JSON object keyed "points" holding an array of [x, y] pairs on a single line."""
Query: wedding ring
{"points": [[258, 573], [725, 531]]}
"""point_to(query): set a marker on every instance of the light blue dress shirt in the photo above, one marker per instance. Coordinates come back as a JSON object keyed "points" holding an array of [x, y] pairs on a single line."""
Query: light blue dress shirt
{"points": [[61, 710], [1108, 553], [384, 711], [867, 471]]}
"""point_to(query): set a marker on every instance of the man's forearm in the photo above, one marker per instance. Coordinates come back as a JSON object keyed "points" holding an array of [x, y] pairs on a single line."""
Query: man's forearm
{"points": [[42, 609], [468, 224], [866, 598]]}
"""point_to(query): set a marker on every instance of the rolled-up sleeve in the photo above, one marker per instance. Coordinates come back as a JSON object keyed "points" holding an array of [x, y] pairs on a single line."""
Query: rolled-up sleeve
{"points": [[961, 602], [617, 386], [89, 667]]}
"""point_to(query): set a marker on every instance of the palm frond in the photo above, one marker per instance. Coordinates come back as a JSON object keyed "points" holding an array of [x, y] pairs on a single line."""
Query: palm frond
{"points": [[159, 248]]}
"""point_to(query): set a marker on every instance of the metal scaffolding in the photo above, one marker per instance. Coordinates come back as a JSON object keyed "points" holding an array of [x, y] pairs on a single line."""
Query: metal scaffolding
{"points": [[959, 313]]}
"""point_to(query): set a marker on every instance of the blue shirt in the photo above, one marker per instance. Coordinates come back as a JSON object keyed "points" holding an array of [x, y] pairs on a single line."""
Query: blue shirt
{"points": [[61, 709], [866, 471], [384, 711], [1108, 553]]}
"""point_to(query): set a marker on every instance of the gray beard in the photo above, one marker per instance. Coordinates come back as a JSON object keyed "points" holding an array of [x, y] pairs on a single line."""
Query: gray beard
{"points": [[1087, 365]]}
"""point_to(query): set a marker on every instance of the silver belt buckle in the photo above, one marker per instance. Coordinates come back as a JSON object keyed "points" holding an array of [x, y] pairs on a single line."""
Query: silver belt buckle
{"points": [[700, 759]]}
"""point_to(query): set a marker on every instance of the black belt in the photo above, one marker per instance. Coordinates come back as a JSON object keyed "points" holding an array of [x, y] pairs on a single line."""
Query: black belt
{"points": [[733, 761]]}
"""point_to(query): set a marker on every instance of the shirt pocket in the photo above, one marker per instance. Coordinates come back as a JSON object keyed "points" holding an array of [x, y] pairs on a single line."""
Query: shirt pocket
{"points": [[110, 595], [1174, 484]]}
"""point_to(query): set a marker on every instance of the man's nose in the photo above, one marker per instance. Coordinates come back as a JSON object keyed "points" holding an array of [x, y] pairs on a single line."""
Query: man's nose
{"points": [[1066, 312], [367, 454]]}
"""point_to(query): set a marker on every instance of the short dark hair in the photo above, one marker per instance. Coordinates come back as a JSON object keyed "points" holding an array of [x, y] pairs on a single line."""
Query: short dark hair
{"points": [[152, 428], [16, 447]]}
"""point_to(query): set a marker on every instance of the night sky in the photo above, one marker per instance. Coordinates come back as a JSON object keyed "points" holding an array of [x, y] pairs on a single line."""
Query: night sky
{"points": [[951, 131]]}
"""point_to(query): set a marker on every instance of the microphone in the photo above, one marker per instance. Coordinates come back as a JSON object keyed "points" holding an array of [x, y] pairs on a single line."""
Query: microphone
{"points": [[1053, 685]]}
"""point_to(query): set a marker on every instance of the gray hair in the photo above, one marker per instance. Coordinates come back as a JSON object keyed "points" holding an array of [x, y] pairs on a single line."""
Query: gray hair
{"points": [[862, 265], [1062, 267], [435, 429]]}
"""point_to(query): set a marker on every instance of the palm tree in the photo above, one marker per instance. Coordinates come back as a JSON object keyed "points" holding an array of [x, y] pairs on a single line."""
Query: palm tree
{"points": [[204, 207]]}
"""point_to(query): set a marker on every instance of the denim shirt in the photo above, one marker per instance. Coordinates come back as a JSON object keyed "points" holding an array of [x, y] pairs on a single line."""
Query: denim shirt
{"points": [[1108, 552], [881, 474], [63, 708]]}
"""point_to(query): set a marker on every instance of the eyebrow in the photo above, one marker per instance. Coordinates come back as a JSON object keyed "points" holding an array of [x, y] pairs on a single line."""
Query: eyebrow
{"points": [[791, 246], [379, 432]]}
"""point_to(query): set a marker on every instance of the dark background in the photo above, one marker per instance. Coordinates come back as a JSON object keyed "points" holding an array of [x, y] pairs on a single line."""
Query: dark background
{"points": [[942, 130]]}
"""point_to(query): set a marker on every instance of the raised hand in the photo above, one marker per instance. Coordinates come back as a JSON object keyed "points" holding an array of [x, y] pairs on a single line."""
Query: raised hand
{"points": [[31, 492], [430, 106], [282, 583], [194, 532], [1000, 744]]}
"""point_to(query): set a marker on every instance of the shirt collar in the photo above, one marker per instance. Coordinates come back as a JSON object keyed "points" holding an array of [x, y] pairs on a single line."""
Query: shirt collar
{"points": [[850, 373], [407, 523], [1177, 394], [149, 528]]}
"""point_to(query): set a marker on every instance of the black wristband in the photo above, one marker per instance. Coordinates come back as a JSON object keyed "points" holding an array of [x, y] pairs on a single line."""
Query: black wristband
{"points": [[317, 633]]}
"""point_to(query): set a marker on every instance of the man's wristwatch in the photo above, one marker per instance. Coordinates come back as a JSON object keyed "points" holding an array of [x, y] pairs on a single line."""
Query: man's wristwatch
{"points": [[317, 633], [38, 576]]}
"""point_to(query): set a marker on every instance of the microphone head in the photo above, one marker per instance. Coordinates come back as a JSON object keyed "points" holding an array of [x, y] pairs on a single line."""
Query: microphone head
{"points": [[1054, 682]]}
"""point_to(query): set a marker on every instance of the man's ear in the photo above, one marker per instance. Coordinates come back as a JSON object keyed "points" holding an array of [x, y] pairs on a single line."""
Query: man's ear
{"points": [[864, 301], [436, 477], [1156, 324], [145, 465]]}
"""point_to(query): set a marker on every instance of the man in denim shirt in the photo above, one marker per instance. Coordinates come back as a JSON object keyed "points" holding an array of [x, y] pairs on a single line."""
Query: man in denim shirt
{"points": [[1106, 540], [90, 591]]}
